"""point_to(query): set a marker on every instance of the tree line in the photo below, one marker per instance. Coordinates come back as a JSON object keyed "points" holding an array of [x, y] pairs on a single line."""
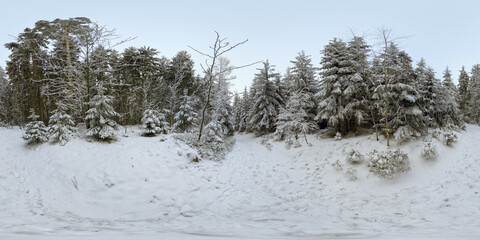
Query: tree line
{"points": [[68, 69]]}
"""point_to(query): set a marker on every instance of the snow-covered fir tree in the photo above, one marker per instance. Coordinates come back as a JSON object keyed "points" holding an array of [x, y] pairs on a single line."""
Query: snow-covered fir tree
{"points": [[299, 113], [448, 108], [244, 110], [100, 117], [294, 120], [35, 131], [222, 111], [266, 100], [186, 117], [154, 122], [428, 87], [463, 96], [61, 125], [404, 115], [343, 88], [474, 95]]}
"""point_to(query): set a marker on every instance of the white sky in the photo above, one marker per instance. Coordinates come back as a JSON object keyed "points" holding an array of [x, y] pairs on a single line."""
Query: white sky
{"points": [[445, 33]]}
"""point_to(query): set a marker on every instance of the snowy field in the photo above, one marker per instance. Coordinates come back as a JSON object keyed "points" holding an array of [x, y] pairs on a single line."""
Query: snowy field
{"points": [[147, 188]]}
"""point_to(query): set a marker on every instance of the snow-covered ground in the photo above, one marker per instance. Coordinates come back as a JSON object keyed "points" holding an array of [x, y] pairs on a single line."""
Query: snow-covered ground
{"points": [[147, 188]]}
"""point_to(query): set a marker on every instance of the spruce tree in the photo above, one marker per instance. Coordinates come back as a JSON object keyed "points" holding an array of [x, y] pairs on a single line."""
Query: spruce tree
{"points": [[449, 112], [266, 100], [35, 131], [186, 117], [474, 95], [299, 113], [154, 122], [397, 90], [61, 125], [463, 96], [100, 117]]}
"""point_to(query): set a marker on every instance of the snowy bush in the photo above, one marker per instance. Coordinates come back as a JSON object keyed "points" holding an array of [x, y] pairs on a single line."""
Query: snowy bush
{"points": [[292, 141], [388, 164], [35, 131], [450, 137], [354, 157], [351, 174], [404, 134], [61, 124], [154, 122], [429, 151], [337, 165], [338, 136], [447, 136]]}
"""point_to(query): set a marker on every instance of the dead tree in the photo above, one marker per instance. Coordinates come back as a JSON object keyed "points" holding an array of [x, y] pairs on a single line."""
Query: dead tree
{"points": [[220, 47]]}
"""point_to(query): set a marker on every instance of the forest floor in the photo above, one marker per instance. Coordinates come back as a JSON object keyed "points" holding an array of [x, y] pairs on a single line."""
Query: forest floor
{"points": [[147, 188]]}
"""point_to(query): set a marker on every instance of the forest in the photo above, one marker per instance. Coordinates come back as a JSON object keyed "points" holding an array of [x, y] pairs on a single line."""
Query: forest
{"points": [[66, 73]]}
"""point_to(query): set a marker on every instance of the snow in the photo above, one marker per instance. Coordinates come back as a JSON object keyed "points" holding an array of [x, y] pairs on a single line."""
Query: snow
{"points": [[147, 188]]}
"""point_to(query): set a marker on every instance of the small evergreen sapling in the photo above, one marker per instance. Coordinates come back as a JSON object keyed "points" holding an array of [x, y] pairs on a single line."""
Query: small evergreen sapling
{"points": [[429, 151], [61, 125], [100, 117], [154, 122], [35, 132]]}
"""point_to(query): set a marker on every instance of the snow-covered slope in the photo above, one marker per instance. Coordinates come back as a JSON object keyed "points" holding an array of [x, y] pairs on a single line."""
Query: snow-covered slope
{"points": [[147, 188]]}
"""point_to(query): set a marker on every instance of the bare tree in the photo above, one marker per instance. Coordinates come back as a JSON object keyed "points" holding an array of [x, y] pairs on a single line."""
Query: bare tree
{"points": [[385, 35], [219, 48]]}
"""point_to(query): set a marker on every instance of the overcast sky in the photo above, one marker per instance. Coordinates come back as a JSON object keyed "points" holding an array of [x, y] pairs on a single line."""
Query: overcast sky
{"points": [[445, 33]]}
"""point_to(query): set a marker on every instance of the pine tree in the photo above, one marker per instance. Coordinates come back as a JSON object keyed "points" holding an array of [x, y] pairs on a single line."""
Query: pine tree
{"points": [[428, 87], [61, 125], [222, 111], [299, 113], [474, 95], [449, 112], [154, 122], [186, 117], [463, 97], [266, 100], [35, 131], [244, 111], [294, 120], [237, 110], [341, 99], [100, 117], [401, 100]]}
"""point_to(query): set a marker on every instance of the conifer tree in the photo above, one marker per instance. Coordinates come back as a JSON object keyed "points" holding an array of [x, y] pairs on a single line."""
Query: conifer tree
{"points": [[61, 125], [449, 112], [154, 122], [100, 117], [266, 100], [186, 116], [463, 97], [474, 95], [401, 100], [299, 113], [35, 131]]}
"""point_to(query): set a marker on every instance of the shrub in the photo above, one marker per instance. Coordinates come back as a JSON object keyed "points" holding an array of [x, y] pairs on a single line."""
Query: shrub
{"points": [[429, 151], [351, 174], [388, 164], [403, 134], [449, 137], [338, 136], [445, 135], [354, 157], [337, 165]]}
